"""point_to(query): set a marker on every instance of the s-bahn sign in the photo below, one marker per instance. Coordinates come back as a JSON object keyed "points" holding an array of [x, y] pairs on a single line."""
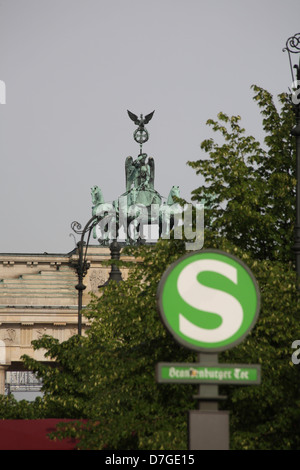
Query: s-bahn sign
{"points": [[209, 300]]}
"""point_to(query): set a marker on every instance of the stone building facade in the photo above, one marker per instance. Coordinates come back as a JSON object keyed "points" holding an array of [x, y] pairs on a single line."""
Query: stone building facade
{"points": [[38, 296]]}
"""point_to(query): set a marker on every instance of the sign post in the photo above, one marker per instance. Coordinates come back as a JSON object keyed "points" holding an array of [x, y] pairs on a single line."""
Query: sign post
{"points": [[209, 301]]}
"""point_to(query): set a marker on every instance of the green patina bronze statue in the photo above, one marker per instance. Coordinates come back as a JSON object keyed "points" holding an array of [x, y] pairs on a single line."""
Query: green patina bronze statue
{"points": [[140, 181], [140, 196]]}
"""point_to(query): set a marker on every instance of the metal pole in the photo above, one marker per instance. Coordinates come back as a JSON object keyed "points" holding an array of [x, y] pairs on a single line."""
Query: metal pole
{"points": [[296, 133], [80, 286], [208, 427], [208, 398], [293, 47], [115, 273], [82, 265]]}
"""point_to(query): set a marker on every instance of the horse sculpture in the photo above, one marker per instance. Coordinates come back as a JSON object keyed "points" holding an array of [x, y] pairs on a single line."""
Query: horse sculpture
{"points": [[97, 198], [170, 213], [107, 212], [139, 206], [128, 215]]}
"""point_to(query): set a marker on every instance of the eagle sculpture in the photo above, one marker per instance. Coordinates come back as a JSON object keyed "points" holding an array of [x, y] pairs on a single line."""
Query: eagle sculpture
{"points": [[141, 121]]}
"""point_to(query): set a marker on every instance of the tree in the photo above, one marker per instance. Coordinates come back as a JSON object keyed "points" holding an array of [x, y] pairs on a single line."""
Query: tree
{"points": [[267, 416], [108, 377], [252, 189]]}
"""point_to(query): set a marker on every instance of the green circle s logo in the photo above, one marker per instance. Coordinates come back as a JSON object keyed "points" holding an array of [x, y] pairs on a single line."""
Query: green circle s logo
{"points": [[208, 300]]}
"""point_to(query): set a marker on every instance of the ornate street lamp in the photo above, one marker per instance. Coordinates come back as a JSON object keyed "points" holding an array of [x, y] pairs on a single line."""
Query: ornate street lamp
{"points": [[82, 264], [293, 47]]}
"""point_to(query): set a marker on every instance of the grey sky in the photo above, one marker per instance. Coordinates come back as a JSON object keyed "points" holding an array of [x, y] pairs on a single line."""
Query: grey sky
{"points": [[72, 68]]}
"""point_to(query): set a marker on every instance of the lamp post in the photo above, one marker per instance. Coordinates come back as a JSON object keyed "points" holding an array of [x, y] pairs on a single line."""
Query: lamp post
{"points": [[82, 264], [293, 47]]}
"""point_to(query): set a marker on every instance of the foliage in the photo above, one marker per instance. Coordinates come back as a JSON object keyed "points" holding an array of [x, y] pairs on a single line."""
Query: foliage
{"points": [[111, 382], [252, 189], [109, 375], [267, 416], [252, 194], [10, 408], [67, 384]]}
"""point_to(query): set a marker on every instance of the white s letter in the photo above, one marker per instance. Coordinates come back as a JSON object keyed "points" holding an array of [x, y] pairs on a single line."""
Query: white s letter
{"points": [[209, 300]]}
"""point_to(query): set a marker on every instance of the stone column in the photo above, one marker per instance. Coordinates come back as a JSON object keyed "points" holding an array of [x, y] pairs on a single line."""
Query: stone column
{"points": [[3, 369]]}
